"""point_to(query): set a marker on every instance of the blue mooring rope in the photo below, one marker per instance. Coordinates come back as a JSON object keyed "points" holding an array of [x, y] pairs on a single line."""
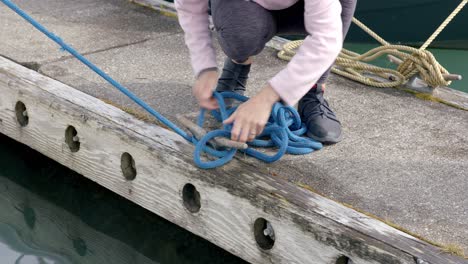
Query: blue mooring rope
{"points": [[284, 129]]}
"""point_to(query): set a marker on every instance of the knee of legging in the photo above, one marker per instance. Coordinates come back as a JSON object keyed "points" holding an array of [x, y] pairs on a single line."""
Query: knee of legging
{"points": [[243, 28]]}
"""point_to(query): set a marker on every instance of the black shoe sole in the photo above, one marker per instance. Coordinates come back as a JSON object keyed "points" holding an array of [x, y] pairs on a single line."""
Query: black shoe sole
{"points": [[326, 140]]}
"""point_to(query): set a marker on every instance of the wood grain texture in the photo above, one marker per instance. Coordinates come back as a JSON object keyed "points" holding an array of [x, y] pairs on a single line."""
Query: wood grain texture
{"points": [[452, 96], [309, 228]]}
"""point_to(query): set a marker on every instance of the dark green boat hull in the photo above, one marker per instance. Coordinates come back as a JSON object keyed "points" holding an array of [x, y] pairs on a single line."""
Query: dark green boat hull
{"points": [[411, 22]]}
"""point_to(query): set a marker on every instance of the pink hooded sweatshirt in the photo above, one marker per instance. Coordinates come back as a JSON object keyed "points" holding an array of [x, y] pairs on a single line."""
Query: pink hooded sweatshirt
{"points": [[319, 51]]}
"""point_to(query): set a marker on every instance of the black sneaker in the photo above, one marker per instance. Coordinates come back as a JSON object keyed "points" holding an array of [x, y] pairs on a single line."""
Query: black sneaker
{"points": [[322, 124], [234, 77]]}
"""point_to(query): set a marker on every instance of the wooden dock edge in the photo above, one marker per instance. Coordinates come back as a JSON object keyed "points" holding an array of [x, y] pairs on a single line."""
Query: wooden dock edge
{"points": [[232, 207], [445, 95]]}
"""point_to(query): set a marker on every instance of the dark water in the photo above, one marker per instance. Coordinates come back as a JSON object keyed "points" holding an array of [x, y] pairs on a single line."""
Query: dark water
{"points": [[49, 214]]}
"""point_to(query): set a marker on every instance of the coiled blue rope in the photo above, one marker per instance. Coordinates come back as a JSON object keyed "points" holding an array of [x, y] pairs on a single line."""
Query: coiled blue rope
{"points": [[284, 130]]}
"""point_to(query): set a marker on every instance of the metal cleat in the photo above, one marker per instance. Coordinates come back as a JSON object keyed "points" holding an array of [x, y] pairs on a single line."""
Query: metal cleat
{"points": [[199, 132]]}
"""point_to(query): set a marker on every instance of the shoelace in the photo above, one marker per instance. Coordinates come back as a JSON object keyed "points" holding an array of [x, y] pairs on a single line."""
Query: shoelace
{"points": [[317, 106]]}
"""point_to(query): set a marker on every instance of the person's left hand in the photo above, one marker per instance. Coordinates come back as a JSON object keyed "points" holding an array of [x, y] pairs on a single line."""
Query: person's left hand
{"points": [[251, 117]]}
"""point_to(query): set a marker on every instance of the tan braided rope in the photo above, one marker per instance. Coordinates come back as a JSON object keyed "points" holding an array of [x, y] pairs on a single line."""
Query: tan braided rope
{"points": [[444, 24], [356, 66]]}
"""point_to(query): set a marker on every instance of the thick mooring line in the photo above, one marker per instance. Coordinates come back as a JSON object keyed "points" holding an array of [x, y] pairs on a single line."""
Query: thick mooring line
{"points": [[240, 207], [444, 95]]}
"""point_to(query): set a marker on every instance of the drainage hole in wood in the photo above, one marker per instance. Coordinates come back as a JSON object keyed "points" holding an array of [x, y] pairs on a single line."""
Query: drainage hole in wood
{"points": [[344, 260], [127, 164], [21, 114], [72, 139], [191, 198], [264, 234]]}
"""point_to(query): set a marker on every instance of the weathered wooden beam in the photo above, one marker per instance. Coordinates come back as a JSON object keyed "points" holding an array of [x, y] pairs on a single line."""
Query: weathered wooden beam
{"points": [[457, 98], [239, 207]]}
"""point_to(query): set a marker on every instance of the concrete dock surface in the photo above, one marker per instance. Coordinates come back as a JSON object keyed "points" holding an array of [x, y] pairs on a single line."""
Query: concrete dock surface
{"points": [[402, 159]]}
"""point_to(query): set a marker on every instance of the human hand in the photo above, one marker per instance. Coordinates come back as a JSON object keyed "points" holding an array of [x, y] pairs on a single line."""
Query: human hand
{"points": [[203, 90], [251, 117]]}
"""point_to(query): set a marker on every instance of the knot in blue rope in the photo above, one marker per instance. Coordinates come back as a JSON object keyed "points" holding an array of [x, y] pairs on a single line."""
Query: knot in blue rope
{"points": [[284, 132]]}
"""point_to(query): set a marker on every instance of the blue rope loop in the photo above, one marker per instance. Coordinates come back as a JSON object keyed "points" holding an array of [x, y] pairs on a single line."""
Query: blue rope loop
{"points": [[284, 131]]}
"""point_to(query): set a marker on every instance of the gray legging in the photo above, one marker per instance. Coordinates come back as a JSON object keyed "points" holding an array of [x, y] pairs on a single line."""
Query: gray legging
{"points": [[244, 27]]}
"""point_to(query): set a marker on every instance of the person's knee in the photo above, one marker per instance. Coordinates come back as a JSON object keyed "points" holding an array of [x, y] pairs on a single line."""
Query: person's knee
{"points": [[243, 28]]}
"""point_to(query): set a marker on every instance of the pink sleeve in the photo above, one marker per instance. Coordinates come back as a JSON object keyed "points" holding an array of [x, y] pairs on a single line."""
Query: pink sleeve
{"points": [[194, 20], [317, 54]]}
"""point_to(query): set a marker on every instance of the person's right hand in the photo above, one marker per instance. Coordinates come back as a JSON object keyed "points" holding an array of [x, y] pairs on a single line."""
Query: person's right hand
{"points": [[203, 90]]}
